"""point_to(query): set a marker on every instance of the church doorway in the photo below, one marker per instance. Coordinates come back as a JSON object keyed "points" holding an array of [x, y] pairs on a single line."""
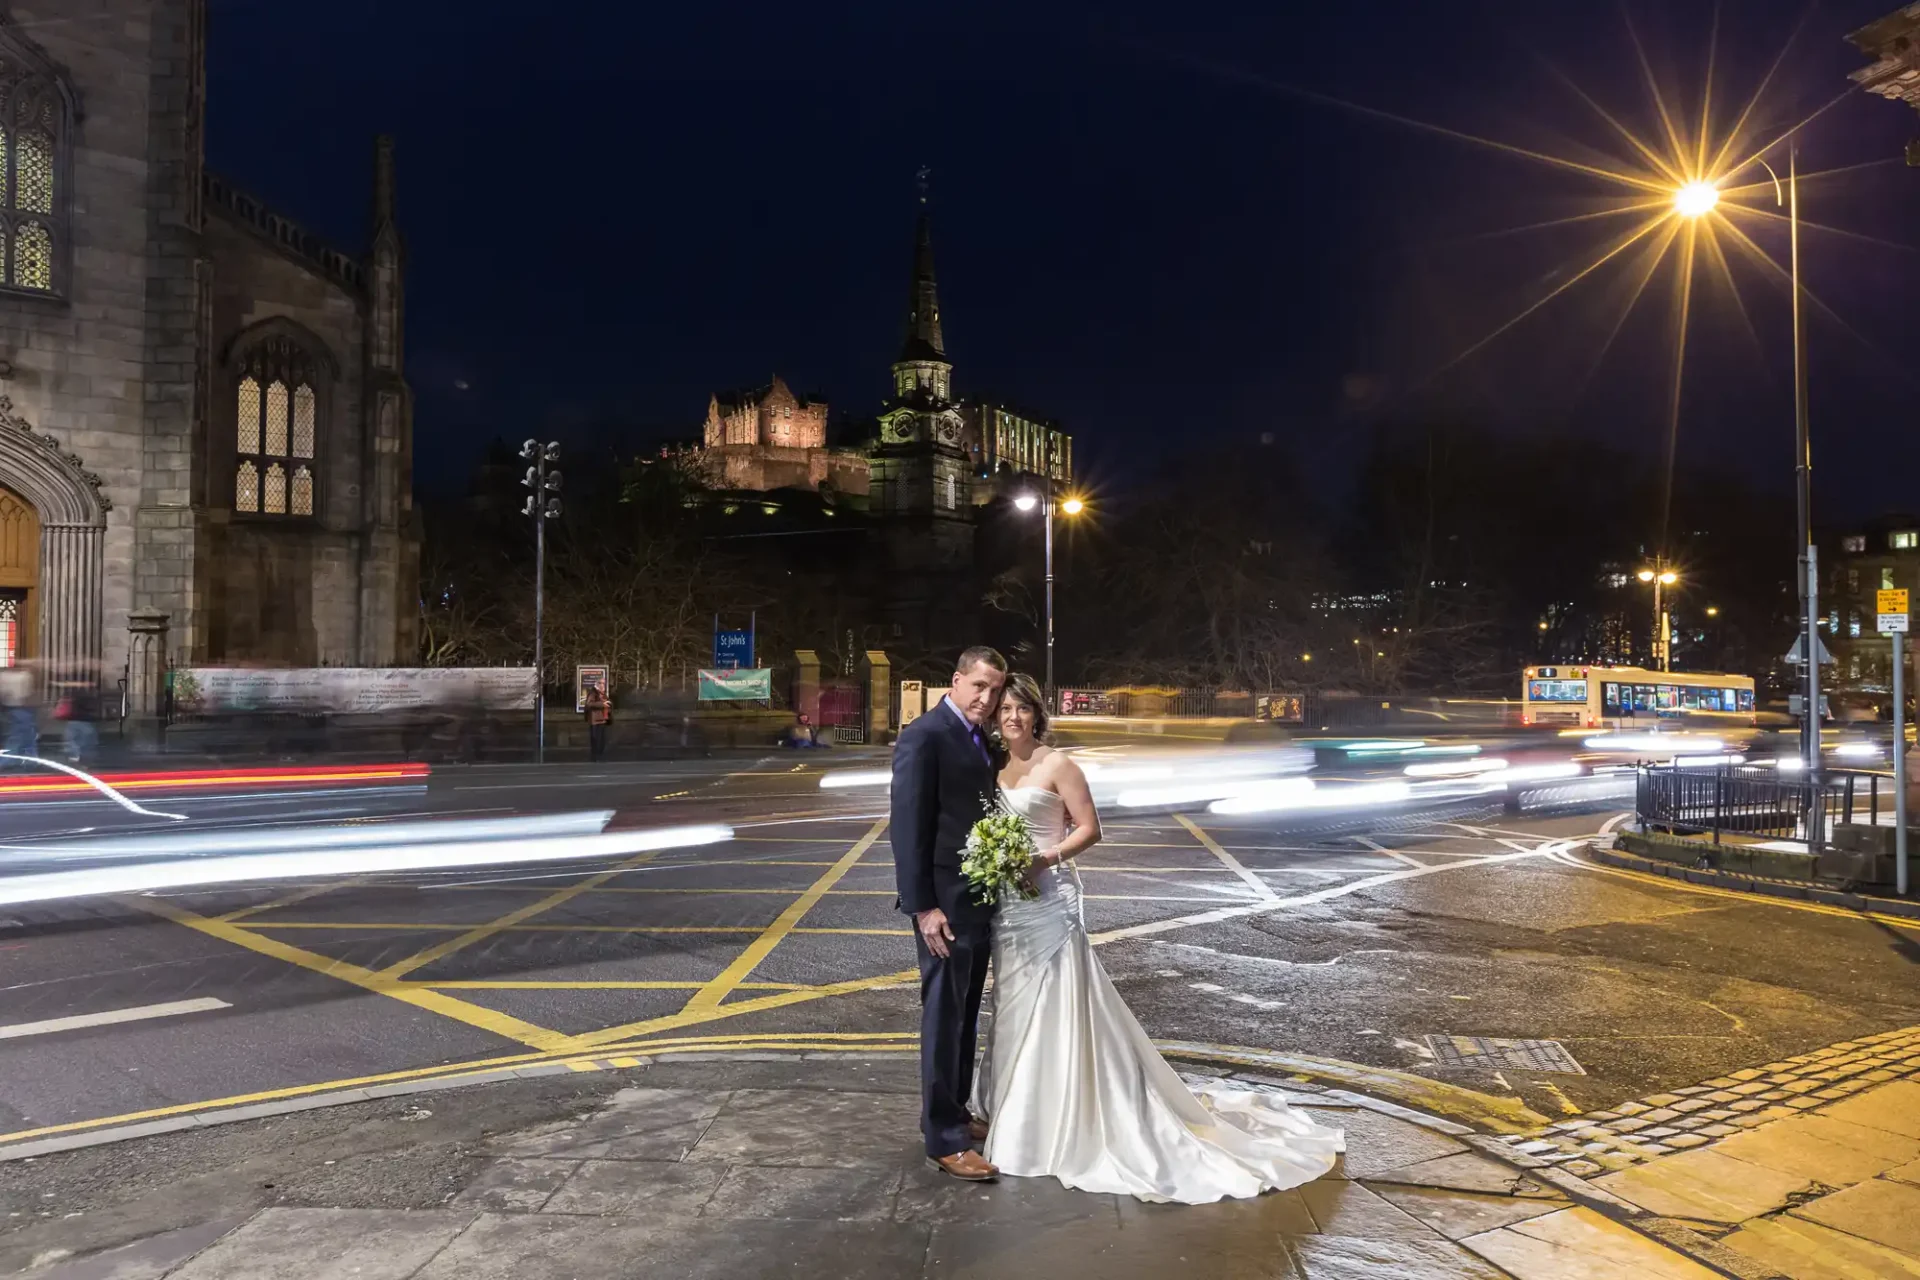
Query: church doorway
{"points": [[19, 577]]}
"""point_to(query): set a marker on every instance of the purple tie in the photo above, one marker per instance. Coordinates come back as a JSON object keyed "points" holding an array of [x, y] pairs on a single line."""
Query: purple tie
{"points": [[980, 743]]}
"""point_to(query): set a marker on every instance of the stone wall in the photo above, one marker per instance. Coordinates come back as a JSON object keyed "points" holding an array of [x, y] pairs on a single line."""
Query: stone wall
{"points": [[86, 370]]}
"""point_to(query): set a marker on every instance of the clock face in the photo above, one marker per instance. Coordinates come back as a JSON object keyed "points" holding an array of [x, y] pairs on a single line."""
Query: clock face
{"points": [[949, 431], [898, 429]]}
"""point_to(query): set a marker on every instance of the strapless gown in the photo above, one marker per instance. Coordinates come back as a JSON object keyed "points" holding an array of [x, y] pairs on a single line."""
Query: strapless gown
{"points": [[1074, 1089]]}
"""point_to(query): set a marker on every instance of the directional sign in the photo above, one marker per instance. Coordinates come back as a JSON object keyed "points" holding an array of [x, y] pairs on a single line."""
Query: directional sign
{"points": [[1892, 621], [1797, 655], [1891, 602]]}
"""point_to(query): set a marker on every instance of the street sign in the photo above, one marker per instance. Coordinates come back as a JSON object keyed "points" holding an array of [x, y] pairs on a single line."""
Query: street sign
{"points": [[1796, 654], [732, 650], [1890, 602], [1891, 621], [734, 685]]}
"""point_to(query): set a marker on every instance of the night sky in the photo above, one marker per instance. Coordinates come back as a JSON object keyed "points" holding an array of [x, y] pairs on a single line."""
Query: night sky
{"points": [[1162, 225]]}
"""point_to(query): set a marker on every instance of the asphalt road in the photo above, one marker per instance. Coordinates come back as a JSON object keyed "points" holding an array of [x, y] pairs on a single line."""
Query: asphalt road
{"points": [[1350, 947]]}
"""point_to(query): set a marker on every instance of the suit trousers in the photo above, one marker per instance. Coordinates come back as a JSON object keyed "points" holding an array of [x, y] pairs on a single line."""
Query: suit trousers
{"points": [[950, 991]]}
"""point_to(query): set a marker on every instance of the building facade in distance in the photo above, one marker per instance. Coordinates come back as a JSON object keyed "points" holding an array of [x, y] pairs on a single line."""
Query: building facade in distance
{"points": [[769, 438], [205, 431]]}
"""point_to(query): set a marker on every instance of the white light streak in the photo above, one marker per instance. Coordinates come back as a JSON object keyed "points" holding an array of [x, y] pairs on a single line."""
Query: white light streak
{"points": [[148, 877], [1270, 801]]}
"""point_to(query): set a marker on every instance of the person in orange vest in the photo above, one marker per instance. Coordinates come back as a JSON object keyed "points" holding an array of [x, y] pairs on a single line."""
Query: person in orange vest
{"points": [[599, 712]]}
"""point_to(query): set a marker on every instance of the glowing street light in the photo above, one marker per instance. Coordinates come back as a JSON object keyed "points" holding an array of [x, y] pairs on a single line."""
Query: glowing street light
{"points": [[1660, 576], [1071, 506], [1696, 199]]}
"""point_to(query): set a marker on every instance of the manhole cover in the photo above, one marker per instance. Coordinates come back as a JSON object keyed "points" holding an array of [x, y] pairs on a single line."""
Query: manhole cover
{"points": [[1488, 1054]]}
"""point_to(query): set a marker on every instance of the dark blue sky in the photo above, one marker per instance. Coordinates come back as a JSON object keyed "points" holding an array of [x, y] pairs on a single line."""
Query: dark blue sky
{"points": [[1148, 225]]}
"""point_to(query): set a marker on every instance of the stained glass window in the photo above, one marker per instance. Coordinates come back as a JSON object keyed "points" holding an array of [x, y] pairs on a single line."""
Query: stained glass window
{"points": [[246, 488], [33, 172], [9, 631], [34, 133], [249, 434], [278, 406], [303, 422], [277, 419], [33, 257]]}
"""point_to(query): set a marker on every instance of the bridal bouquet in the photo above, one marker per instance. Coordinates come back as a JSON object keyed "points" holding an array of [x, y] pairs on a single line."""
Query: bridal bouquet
{"points": [[999, 853]]}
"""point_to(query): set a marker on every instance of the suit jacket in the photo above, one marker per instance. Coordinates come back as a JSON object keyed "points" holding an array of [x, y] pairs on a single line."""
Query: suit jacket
{"points": [[942, 785]]}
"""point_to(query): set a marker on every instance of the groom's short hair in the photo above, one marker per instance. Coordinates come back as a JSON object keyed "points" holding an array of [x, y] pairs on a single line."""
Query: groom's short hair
{"points": [[979, 653]]}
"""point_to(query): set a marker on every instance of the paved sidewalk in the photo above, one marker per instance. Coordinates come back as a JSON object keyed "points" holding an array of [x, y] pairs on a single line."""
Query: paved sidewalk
{"points": [[792, 1168], [1807, 1168]]}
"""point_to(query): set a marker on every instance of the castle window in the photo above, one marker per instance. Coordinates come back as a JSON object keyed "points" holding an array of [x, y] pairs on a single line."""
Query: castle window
{"points": [[275, 432], [35, 136]]}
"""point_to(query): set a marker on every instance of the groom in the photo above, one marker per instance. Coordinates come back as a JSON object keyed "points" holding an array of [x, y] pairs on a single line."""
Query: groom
{"points": [[943, 777]]}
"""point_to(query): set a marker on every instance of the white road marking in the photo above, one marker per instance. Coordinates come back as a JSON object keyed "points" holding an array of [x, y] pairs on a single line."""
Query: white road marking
{"points": [[1227, 860], [1612, 824], [139, 1013], [1307, 899], [1395, 854]]}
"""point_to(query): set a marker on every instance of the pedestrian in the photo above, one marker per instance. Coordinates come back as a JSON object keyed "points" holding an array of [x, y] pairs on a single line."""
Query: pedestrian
{"points": [[599, 713], [17, 696], [80, 709]]}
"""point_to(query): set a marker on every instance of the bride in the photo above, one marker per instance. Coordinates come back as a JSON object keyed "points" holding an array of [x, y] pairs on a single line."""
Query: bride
{"points": [[1070, 1085]]}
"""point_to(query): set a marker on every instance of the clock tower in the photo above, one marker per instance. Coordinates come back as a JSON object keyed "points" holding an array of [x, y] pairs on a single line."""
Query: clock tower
{"points": [[920, 470]]}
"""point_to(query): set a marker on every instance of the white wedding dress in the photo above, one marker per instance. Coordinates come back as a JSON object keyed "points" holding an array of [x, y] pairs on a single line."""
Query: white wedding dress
{"points": [[1073, 1088]]}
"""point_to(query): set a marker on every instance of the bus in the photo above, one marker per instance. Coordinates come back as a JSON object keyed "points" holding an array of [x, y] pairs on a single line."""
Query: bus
{"points": [[1615, 697]]}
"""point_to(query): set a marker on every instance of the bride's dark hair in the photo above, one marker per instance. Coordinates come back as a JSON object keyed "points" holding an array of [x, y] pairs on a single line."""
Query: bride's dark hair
{"points": [[1025, 690]]}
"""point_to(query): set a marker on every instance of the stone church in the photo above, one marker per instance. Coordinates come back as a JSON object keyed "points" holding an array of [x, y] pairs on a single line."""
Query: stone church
{"points": [[205, 429]]}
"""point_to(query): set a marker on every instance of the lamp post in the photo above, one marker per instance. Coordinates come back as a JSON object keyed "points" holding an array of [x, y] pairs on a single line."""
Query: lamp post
{"points": [[1071, 506], [542, 505], [1695, 200], [1661, 577]]}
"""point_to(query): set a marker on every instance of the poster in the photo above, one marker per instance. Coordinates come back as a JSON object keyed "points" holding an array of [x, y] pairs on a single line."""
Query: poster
{"points": [[751, 685], [350, 690]]}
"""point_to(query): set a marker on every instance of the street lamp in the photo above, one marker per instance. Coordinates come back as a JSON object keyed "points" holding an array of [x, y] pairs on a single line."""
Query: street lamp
{"points": [[1693, 200], [542, 505], [1071, 506], [1661, 578]]}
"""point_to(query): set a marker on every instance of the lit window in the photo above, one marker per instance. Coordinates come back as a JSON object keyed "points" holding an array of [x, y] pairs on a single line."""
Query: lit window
{"points": [[1904, 540], [1886, 579], [1853, 622], [277, 418], [1853, 542], [246, 488], [34, 133]]}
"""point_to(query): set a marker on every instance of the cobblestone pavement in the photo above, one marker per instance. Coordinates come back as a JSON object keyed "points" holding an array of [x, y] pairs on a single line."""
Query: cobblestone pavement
{"points": [[1683, 1119]]}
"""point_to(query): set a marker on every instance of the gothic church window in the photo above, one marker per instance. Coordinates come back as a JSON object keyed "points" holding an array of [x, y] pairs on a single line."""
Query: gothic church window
{"points": [[277, 413], [35, 136]]}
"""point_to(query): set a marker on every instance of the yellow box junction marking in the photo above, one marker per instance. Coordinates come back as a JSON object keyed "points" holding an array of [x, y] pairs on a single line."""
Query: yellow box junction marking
{"points": [[441, 950], [715, 992]]}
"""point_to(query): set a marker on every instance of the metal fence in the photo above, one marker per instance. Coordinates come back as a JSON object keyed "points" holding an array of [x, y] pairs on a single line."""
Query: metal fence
{"points": [[1754, 801]]}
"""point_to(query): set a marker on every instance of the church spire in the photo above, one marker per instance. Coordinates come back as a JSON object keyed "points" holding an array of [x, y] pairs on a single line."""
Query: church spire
{"points": [[924, 341]]}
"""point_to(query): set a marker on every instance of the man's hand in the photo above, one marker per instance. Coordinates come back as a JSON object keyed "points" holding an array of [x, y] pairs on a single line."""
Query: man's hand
{"points": [[934, 931]]}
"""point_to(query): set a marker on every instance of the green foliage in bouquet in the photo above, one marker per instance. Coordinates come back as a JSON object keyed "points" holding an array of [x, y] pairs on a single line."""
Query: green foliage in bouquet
{"points": [[999, 855]]}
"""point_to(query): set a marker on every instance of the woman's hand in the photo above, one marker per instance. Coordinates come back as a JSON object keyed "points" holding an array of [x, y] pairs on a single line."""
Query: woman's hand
{"points": [[1043, 860]]}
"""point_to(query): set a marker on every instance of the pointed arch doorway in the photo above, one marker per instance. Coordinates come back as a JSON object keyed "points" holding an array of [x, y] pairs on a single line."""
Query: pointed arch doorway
{"points": [[19, 578]]}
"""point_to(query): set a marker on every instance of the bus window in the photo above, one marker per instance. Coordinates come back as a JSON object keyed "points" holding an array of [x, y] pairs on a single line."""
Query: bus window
{"points": [[1729, 700], [1556, 691], [1610, 693], [1643, 697], [1746, 699], [1689, 698], [1663, 697]]}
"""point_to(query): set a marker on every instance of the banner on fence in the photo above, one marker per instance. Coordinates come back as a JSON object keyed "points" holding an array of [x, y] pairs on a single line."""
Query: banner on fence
{"points": [[754, 684], [351, 690]]}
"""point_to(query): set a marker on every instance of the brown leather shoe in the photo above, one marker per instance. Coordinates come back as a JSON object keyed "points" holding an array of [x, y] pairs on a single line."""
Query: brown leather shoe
{"points": [[976, 1128], [968, 1166]]}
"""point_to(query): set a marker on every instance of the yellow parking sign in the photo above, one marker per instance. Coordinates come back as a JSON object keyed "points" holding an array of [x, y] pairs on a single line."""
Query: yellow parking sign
{"points": [[1891, 602]]}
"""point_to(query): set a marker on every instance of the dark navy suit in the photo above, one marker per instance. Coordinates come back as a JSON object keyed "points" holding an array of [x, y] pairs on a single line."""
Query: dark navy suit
{"points": [[943, 781]]}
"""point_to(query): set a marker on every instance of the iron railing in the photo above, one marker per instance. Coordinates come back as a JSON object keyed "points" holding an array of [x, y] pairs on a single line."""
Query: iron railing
{"points": [[1756, 801]]}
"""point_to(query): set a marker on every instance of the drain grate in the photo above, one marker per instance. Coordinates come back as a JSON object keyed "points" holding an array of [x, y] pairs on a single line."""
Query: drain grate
{"points": [[1483, 1053]]}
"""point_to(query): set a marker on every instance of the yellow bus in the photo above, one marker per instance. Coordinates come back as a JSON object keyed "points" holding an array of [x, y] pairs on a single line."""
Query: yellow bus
{"points": [[1589, 697]]}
